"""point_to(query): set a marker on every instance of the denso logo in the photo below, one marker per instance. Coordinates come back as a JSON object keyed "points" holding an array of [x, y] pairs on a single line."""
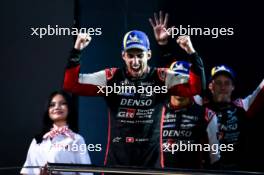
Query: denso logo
{"points": [[177, 133], [132, 102]]}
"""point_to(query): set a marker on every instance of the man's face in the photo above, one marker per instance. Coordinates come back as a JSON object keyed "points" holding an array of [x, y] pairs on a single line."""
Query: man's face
{"points": [[178, 101], [221, 88], [136, 61]]}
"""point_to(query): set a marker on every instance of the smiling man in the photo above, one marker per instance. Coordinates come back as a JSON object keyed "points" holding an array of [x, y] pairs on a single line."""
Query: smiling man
{"points": [[222, 84], [231, 119], [134, 117], [136, 53]]}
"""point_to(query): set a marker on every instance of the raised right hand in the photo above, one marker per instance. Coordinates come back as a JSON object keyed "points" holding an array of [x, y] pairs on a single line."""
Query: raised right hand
{"points": [[159, 25], [82, 41]]}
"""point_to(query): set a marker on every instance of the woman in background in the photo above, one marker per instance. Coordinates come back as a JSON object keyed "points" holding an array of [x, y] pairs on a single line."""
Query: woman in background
{"points": [[58, 142]]}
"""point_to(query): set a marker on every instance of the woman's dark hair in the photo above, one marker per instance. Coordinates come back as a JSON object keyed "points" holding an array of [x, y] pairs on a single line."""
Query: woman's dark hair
{"points": [[71, 119]]}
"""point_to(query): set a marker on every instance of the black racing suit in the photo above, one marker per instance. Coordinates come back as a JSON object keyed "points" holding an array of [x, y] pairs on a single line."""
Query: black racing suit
{"points": [[135, 123], [187, 125], [134, 137], [231, 123], [184, 126]]}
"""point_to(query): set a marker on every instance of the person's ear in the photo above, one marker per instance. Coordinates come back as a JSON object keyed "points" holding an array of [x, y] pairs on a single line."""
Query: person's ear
{"points": [[233, 87], [210, 86], [149, 54], [123, 55]]}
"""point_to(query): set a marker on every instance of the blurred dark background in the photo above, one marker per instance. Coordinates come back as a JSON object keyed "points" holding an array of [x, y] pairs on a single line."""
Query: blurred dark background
{"points": [[32, 67]]}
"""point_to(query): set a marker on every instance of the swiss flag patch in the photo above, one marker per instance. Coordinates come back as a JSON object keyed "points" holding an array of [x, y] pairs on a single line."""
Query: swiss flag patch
{"points": [[130, 140]]}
